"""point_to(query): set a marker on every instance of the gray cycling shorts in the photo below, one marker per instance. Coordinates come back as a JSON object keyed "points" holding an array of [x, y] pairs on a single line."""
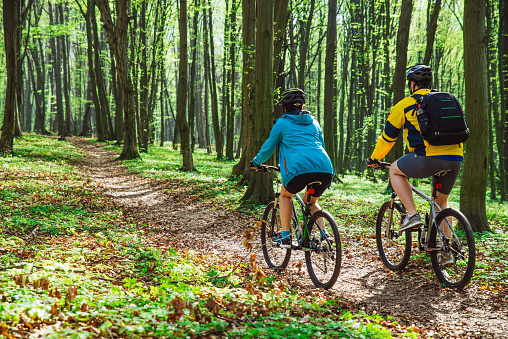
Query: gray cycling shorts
{"points": [[419, 166]]}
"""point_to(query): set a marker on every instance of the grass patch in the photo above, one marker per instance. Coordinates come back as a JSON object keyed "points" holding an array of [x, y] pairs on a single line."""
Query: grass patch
{"points": [[74, 264]]}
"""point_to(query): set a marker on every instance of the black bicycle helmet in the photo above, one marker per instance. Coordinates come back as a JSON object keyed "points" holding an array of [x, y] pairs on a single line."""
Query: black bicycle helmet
{"points": [[292, 96], [419, 72]]}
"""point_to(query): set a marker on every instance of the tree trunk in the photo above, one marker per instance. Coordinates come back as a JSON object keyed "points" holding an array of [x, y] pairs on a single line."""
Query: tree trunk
{"points": [[474, 178], [10, 22], [248, 64], [117, 96], [181, 107], [304, 46], [91, 70], [117, 38], [192, 94], [66, 77], [431, 31], [163, 120], [87, 116], [280, 13], [101, 86], [40, 123], [219, 145], [493, 104], [143, 81], [399, 76], [56, 49], [330, 101], [260, 189], [503, 91], [230, 132]]}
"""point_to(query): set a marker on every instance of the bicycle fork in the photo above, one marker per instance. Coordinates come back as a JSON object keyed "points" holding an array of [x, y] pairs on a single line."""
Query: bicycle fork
{"points": [[390, 216]]}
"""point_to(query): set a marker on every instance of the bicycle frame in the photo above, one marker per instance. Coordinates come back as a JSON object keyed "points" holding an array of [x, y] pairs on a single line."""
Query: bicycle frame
{"points": [[305, 209], [434, 210]]}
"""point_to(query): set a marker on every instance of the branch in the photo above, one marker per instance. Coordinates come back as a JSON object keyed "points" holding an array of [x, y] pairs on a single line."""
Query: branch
{"points": [[24, 13], [81, 9]]}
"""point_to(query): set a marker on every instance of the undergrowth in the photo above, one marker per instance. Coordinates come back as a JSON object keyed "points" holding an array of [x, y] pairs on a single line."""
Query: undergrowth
{"points": [[75, 264]]}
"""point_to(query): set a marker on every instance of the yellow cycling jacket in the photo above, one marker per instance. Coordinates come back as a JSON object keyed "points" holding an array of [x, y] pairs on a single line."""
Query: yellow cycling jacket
{"points": [[404, 114]]}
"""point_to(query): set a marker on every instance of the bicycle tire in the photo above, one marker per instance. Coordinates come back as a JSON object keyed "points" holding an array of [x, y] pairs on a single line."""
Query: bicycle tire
{"points": [[394, 249], [276, 257], [457, 274], [323, 251]]}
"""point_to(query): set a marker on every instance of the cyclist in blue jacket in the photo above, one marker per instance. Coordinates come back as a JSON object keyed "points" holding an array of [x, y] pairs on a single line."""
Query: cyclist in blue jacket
{"points": [[302, 157]]}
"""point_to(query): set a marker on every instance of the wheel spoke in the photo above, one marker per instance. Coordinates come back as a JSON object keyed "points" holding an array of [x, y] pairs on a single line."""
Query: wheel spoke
{"points": [[394, 249], [454, 263], [275, 256], [324, 258]]}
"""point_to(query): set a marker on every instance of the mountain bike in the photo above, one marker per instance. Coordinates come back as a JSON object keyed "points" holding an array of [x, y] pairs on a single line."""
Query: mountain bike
{"points": [[316, 235], [446, 236]]}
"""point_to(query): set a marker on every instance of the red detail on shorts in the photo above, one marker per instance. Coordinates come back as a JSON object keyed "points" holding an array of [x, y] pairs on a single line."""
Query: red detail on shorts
{"points": [[311, 191], [438, 186]]}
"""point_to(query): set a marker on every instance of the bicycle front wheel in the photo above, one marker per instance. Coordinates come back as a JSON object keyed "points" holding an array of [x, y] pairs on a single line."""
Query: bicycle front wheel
{"points": [[323, 251], [453, 254], [275, 256], [394, 249]]}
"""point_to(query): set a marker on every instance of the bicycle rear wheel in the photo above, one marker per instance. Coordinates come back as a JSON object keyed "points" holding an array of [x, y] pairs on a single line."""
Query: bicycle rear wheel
{"points": [[394, 249], [323, 251], [275, 256], [455, 261]]}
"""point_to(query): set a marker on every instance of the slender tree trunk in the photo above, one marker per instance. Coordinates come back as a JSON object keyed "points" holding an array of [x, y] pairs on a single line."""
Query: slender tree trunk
{"points": [[279, 33], [117, 38], [117, 96], [192, 94], [91, 70], [188, 164], [56, 52], [66, 84], [330, 101], [231, 79], [503, 91], [399, 76], [101, 86], [492, 100], [87, 116], [163, 119], [431, 31], [260, 189], [304, 46], [40, 123], [143, 81], [474, 178], [248, 65], [219, 145]]}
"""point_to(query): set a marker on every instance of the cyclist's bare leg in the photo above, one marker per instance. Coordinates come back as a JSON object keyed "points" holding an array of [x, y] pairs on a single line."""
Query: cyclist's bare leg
{"points": [[286, 208], [401, 186], [442, 201], [314, 206]]}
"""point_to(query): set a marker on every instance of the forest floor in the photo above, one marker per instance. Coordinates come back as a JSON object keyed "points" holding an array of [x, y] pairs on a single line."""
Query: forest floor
{"points": [[410, 298]]}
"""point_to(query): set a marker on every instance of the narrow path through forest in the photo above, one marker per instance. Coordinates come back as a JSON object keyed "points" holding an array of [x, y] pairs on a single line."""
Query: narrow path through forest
{"points": [[172, 213]]}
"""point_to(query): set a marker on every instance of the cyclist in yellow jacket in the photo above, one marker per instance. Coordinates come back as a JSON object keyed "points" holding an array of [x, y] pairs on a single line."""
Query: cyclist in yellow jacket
{"points": [[424, 160]]}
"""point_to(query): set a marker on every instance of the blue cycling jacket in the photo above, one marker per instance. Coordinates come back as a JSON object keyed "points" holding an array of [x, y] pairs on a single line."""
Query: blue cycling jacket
{"points": [[302, 148]]}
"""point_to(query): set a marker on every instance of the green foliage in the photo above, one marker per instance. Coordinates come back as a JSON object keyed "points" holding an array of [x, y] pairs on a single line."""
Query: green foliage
{"points": [[74, 264]]}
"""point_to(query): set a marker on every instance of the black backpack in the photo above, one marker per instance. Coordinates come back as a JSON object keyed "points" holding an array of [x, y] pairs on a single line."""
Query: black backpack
{"points": [[441, 118]]}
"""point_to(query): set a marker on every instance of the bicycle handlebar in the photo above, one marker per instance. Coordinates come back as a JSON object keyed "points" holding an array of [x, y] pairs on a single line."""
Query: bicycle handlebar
{"points": [[265, 168], [384, 165]]}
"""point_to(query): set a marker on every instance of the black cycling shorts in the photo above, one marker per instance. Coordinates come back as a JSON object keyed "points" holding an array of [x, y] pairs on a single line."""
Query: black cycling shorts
{"points": [[301, 181], [419, 166]]}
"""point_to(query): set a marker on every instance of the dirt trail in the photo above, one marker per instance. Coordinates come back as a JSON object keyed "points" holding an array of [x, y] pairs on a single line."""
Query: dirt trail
{"points": [[362, 284]]}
